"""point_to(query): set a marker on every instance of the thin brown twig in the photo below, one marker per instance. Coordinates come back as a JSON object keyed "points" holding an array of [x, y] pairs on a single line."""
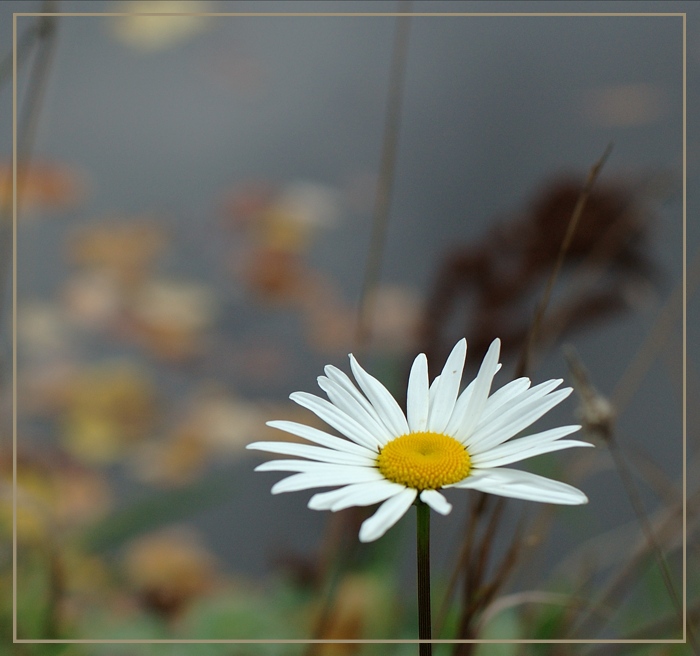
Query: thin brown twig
{"points": [[649, 631], [473, 597], [385, 182], [25, 43], [612, 547], [666, 317], [503, 571], [603, 425], [38, 79], [482, 560], [604, 251], [526, 354], [337, 557], [478, 508], [668, 526], [663, 486], [610, 242]]}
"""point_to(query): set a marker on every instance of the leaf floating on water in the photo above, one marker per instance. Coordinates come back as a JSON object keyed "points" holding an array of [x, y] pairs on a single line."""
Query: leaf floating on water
{"points": [[124, 249], [93, 299], [169, 317]]}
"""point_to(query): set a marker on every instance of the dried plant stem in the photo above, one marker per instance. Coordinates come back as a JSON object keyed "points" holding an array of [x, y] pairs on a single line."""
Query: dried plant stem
{"points": [[666, 317], [25, 134], [423, 563], [470, 608], [336, 556], [643, 519], [533, 334], [385, 182], [648, 467], [478, 591], [527, 597], [611, 241], [462, 560], [667, 528], [650, 631], [25, 43], [332, 581], [606, 431]]}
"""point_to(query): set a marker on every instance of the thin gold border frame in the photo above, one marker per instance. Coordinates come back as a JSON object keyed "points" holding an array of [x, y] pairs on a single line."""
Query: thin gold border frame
{"points": [[15, 15]]}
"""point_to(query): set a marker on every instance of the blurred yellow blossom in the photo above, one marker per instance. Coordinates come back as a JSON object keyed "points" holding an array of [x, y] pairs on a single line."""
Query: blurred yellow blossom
{"points": [[110, 407], [152, 33], [54, 494]]}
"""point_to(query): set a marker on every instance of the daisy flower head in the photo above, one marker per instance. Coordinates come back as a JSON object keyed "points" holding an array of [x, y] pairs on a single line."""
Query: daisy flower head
{"points": [[446, 439]]}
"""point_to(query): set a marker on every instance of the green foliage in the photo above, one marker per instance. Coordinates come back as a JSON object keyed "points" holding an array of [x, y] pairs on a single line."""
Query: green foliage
{"points": [[244, 616], [505, 625], [34, 594]]}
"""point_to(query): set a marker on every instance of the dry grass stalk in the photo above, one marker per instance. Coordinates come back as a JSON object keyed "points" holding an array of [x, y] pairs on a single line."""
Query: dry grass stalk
{"points": [[387, 167], [335, 548], [598, 416], [523, 365]]}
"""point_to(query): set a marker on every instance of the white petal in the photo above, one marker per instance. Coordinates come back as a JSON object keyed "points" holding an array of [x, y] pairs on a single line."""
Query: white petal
{"points": [[508, 394], [417, 395], [460, 408], [527, 396], [361, 494], [526, 447], [522, 485], [513, 422], [344, 400], [462, 403], [443, 403], [436, 501], [337, 418], [432, 390], [344, 381], [319, 437], [390, 512], [310, 480], [480, 393], [308, 466], [382, 400], [313, 453], [556, 445]]}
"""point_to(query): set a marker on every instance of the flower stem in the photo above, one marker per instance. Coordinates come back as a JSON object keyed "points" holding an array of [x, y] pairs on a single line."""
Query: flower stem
{"points": [[423, 559]]}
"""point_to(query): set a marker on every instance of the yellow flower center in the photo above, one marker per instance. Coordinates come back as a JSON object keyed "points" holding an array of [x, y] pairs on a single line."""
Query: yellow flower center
{"points": [[424, 461]]}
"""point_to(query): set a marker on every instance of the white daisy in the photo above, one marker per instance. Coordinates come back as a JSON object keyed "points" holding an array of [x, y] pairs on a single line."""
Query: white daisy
{"points": [[446, 439]]}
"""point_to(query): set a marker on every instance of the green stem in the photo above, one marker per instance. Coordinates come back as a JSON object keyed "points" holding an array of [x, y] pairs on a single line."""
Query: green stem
{"points": [[423, 558]]}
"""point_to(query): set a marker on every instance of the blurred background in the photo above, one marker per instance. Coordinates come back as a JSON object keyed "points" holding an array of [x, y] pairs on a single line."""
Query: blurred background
{"points": [[195, 218]]}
